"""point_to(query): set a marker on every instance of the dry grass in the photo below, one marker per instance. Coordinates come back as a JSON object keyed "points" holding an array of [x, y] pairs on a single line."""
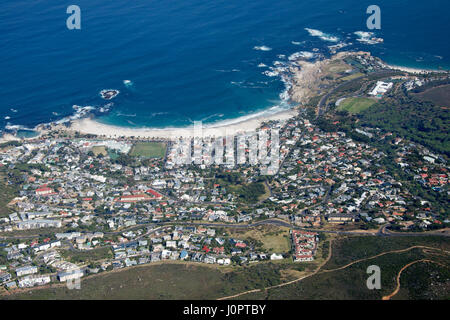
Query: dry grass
{"points": [[274, 239], [99, 150]]}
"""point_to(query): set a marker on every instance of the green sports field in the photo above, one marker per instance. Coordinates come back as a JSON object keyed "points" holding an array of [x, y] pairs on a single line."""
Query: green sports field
{"points": [[148, 149], [356, 105]]}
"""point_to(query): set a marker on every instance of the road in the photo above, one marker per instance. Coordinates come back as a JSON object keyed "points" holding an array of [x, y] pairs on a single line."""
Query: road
{"points": [[383, 232], [322, 105]]}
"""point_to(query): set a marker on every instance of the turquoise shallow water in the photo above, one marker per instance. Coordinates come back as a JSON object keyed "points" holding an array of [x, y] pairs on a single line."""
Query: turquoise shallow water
{"points": [[187, 59]]}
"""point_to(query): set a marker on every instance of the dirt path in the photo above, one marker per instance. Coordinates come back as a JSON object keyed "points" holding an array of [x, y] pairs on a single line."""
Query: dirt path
{"points": [[397, 289], [318, 269], [285, 283], [384, 253]]}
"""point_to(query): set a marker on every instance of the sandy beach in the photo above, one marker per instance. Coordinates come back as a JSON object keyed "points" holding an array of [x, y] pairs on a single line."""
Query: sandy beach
{"points": [[90, 126], [305, 84], [412, 70], [8, 137]]}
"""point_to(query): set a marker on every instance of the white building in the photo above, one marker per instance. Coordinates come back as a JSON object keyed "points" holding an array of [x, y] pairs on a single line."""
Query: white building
{"points": [[275, 256], [31, 281], [381, 88], [38, 223], [26, 270], [70, 275]]}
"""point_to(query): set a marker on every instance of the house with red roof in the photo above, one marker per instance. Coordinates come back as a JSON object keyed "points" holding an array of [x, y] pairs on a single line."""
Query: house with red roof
{"points": [[45, 191]]}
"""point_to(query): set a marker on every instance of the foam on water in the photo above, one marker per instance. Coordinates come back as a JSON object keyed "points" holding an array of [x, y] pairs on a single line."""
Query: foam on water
{"points": [[174, 55], [367, 37], [301, 54], [262, 48], [128, 83], [322, 35], [15, 127]]}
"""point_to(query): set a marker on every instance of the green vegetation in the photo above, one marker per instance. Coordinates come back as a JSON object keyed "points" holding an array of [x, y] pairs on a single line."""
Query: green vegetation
{"points": [[88, 256], [417, 279], [345, 122], [420, 281], [356, 105], [7, 193], [352, 76], [165, 281], [406, 115], [34, 233], [419, 121], [149, 150], [268, 238], [248, 193], [438, 95], [337, 67], [353, 248], [13, 143], [181, 280]]}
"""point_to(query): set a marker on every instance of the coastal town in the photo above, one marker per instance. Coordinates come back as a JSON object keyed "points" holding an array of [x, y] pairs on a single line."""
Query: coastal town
{"points": [[84, 204]]}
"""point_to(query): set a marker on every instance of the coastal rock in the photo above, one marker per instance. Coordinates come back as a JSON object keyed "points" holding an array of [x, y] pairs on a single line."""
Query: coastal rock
{"points": [[109, 94]]}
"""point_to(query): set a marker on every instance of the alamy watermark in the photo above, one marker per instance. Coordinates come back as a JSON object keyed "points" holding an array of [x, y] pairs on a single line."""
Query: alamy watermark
{"points": [[260, 148], [74, 20], [72, 278], [374, 281], [374, 20]]}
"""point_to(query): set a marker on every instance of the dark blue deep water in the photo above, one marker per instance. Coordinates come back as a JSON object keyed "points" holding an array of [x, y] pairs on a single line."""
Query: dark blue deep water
{"points": [[187, 59]]}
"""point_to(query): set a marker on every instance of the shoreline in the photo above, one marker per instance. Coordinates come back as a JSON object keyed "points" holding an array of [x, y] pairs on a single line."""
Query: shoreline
{"points": [[91, 126], [299, 89], [414, 70]]}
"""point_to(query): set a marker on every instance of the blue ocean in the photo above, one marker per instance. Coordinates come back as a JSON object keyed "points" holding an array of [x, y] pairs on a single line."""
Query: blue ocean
{"points": [[188, 60]]}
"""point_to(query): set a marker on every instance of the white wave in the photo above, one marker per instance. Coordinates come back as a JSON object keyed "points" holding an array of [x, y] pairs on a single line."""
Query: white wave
{"points": [[297, 43], [127, 83], [7, 117], [262, 48], [15, 127], [249, 85], [13, 110], [364, 34], [322, 35], [126, 115], [262, 65], [218, 115], [271, 73], [223, 70], [301, 54], [80, 112], [285, 95], [281, 56], [338, 46], [367, 37], [270, 111], [280, 69], [154, 114]]}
